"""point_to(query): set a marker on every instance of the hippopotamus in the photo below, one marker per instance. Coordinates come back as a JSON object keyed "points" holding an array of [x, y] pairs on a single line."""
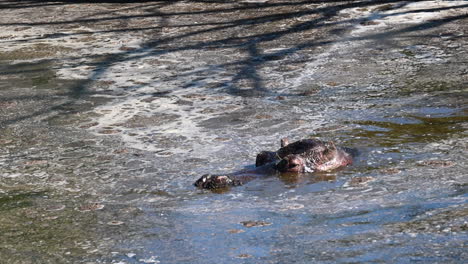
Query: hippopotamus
{"points": [[303, 156]]}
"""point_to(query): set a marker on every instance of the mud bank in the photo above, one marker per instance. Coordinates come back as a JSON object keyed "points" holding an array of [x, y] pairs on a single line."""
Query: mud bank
{"points": [[109, 110]]}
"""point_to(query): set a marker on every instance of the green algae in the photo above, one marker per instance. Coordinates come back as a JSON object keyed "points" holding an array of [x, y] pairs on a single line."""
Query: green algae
{"points": [[58, 235], [424, 129], [36, 51], [453, 220], [408, 53], [38, 74], [430, 86], [18, 200]]}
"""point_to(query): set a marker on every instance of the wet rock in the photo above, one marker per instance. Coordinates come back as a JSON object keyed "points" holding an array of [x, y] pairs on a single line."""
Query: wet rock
{"points": [[115, 223], [196, 160], [255, 223], [195, 96], [35, 162], [90, 207], [121, 151], [5, 141], [184, 102], [308, 89], [330, 128], [384, 7], [438, 163], [369, 23], [235, 231], [109, 131], [390, 171], [52, 217], [8, 104], [223, 139], [126, 48], [148, 99], [79, 144], [356, 181], [104, 83], [141, 121], [242, 256], [263, 116], [88, 125]]}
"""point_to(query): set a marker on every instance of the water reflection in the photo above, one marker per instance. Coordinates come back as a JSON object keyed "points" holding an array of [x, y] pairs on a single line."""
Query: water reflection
{"points": [[412, 129]]}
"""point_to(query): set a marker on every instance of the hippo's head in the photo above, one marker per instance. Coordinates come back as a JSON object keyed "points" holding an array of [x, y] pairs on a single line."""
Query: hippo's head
{"points": [[311, 155]]}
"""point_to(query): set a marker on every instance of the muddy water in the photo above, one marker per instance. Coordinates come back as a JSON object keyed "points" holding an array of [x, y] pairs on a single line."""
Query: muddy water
{"points": [[103, 133]]}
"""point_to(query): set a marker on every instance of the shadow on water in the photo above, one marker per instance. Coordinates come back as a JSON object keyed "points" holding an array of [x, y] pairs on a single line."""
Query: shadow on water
{"points": [[250, 34], [18, 200]]}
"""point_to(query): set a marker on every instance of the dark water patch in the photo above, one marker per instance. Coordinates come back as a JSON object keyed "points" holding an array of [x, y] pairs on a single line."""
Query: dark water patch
{"points": [[140, 121], [407, 52], [434, 86], [31, 90], [36, 51], [419, 130], [44, 235], [422, 126], [234, 119], [26, 74], [13, 200], [294, 180], [440, 220]]}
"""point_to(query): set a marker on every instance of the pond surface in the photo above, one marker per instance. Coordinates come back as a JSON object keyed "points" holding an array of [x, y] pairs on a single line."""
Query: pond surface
{"points": [[105, 127]]}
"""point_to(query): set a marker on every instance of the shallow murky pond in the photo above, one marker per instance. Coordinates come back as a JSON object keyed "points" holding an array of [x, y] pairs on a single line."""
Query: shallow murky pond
{"points": [[106, 120]]}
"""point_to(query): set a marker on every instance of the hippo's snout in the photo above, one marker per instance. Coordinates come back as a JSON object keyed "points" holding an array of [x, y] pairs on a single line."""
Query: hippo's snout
{"points": [[291, 163], [209, 181]]}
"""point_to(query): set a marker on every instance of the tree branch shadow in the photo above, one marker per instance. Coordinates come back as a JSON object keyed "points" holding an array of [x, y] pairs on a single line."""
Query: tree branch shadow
{"points": [[246, 28]]}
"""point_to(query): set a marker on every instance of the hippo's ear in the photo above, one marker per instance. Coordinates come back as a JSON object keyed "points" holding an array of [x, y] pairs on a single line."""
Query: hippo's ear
{"points": [[331, 145], [284, 142]]}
